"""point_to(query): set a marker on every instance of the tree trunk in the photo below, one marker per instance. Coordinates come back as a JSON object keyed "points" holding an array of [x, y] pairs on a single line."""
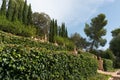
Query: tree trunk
{"points": [[91, 48]]}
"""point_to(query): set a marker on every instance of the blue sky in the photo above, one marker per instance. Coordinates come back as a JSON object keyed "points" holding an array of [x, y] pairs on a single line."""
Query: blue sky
{"points": [[75, 13]]}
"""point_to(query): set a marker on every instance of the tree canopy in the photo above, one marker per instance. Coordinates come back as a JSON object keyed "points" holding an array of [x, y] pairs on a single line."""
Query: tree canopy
{"points": [[115, 32], [79, 41], [115, 42], [42, 23]]}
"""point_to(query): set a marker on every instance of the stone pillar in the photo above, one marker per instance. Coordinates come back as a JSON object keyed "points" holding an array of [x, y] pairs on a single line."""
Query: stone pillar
{"points": [[100, 64], [75, 50], [45, 38]]}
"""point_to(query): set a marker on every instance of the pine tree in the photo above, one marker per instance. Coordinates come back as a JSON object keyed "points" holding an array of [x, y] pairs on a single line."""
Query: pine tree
{"points": [[10, 10], [3, 8], [95, 31], [24, 18], [29, 16], [15, 13]]}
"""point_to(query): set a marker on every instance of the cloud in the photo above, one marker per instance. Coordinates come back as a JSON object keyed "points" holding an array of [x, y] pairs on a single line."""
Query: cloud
{"points": [[109, 0], [68, 11]]}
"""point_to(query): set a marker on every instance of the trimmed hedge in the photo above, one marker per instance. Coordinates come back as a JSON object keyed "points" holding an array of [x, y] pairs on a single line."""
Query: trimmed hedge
{"points": [[17, 64], [107, 64]]}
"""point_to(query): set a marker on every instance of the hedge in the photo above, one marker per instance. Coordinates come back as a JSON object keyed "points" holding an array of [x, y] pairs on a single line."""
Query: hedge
{"points": [[17, 64]]}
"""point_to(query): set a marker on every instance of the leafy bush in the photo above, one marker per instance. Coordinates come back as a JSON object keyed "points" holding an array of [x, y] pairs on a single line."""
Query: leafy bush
{"points": [[64, 41], [108, 64], [17, 63]]}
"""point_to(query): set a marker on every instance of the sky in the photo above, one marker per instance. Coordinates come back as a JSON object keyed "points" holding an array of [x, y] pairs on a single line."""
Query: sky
{"points": [[75, 13]]}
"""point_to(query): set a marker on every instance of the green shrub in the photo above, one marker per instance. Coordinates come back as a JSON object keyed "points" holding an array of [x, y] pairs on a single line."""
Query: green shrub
{"points": [[16, 63], [59, 40], [65, 41], [107, 64]]}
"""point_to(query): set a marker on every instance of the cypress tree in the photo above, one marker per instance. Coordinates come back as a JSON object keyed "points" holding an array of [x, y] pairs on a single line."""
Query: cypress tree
{"points": [[10, 10], [55, 28], [59, 31], [15, 13], [50, 32], [63, 30], [20, 12], [3, 8], [29, 16], [66, 33], [24, 18]]}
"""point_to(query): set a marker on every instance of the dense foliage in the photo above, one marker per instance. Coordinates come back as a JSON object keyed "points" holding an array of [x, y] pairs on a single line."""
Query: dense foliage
{"points": [[18, 63], [79, 41]]}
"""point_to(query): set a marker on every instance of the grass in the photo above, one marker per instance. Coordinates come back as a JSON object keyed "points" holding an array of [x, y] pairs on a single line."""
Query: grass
{"points": [[99, 77]]}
